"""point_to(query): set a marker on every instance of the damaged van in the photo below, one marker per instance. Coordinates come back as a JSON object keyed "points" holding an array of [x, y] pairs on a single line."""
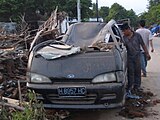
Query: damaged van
{"points": [[85, 69]]}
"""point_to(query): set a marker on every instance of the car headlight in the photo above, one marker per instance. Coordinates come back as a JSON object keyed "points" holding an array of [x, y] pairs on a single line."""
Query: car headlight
{"points": [[108, 77], [37, 78]]}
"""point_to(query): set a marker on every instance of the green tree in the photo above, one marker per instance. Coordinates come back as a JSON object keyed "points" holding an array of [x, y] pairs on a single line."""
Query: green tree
{"points": [[133, 17], [14, 8], [153, 3], [153, 14], [94, 11], [116, 12], [104, 12], [86, 11]]}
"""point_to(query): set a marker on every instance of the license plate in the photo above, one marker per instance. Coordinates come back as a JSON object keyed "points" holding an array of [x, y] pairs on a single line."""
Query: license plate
{"points": [[72, 91]]}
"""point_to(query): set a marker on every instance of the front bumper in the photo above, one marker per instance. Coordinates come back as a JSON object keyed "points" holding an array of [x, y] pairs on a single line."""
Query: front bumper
{"points": [[99, 96]]}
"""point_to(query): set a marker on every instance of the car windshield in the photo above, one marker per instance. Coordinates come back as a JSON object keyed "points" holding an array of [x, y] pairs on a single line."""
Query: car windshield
{"points": [[84, 34]]}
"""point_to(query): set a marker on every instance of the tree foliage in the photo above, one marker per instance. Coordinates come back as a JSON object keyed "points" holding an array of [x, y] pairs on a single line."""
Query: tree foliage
{"points": [[153, 3], [153, 14], [94, 11], [118, 12], [11, 9], [70, 6], [104, 12], [133, 17]]}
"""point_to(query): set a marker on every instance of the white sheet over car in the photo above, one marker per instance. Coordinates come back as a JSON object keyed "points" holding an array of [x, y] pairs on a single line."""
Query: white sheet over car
{"points": [[52, 52]]}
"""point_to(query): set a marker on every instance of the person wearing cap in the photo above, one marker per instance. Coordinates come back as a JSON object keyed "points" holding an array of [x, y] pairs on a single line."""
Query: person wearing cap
{"points": [[133, 41], [147, 38]]}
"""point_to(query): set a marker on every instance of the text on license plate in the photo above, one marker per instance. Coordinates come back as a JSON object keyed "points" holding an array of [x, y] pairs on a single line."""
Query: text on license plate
{"points": [[72, 91]]}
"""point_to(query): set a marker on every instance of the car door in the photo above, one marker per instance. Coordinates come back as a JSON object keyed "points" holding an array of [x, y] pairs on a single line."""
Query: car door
{"points": [[122, 47]]}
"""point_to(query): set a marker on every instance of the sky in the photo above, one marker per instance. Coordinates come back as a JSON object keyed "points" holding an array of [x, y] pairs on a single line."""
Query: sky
{"points": [[139, 6]]}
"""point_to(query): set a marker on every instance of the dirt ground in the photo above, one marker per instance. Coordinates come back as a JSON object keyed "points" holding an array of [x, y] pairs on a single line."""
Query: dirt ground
{"points": [[150, 83]]}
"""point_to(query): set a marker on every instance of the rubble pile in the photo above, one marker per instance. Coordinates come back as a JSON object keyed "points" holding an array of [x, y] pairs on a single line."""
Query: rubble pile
{"points": [[138, 107], [13, 63], [14, 50]]}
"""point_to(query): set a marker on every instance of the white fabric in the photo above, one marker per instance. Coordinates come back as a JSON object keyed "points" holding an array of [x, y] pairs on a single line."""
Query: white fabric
{"points": [[50, 53], [146, 36]]}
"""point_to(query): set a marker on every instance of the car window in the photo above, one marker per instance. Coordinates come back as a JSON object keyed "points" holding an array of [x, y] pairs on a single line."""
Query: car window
{"points": [[117, 34], [108, 38]]}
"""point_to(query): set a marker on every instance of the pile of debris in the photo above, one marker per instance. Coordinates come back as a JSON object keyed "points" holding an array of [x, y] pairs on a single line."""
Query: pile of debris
{"points": [[137, 108], [14, 50]]}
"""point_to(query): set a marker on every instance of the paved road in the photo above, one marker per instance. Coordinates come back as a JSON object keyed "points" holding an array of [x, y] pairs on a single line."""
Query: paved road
{"points": [[152, 83]]}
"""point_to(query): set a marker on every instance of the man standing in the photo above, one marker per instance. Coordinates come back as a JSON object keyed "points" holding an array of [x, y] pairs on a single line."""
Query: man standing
{"points": [[147, 38], [133, 41]]}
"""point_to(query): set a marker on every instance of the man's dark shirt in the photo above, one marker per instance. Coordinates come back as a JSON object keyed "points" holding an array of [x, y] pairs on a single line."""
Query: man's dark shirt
{"points": [[133, 44]]}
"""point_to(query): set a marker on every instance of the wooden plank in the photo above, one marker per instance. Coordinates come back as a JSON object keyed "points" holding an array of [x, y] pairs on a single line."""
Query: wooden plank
{"points": [[11, 101]]}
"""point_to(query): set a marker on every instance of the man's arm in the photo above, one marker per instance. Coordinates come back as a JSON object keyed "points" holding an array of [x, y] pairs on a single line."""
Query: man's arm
{"points": [[146, 52], [144, 48], [150, 41], [151, 44]]}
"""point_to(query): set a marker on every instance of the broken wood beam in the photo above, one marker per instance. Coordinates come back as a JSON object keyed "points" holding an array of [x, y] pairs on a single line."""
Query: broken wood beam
{"points": [[12, 105]]}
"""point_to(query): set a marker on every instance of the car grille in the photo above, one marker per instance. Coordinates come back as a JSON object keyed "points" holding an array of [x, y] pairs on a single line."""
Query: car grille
{"points": [[88, 99], [81, 81]]}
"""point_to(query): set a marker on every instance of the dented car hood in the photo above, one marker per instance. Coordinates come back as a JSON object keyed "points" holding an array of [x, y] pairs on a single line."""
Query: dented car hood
{"points": [[78, 66]]}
